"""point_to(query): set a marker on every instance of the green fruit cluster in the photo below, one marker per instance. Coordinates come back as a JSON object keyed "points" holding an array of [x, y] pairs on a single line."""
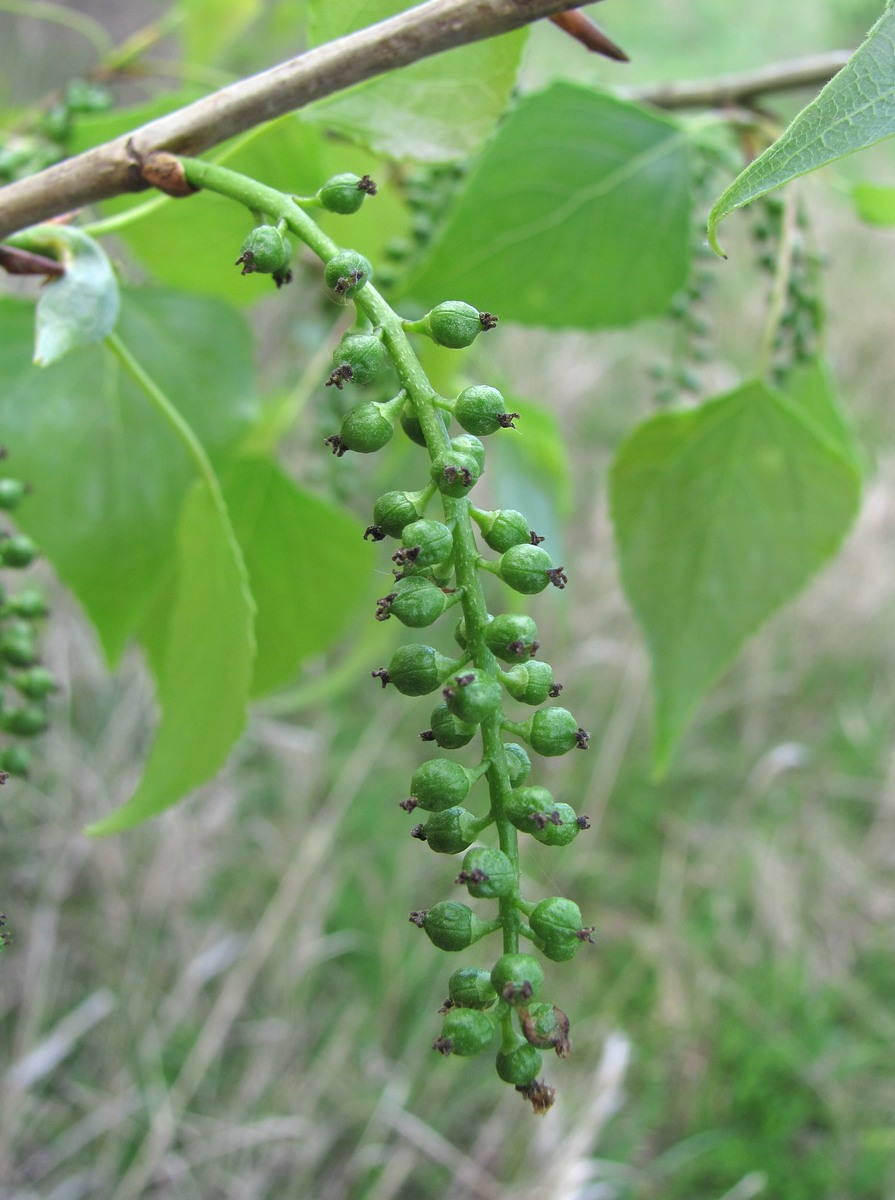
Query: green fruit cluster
{"points": [[25, 685], [437, 566], [443, 547]]}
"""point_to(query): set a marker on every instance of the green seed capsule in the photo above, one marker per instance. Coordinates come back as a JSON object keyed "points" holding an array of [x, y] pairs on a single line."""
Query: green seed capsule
{"points": [[393, 510], [543, 1022], [547, 1027], [415, 602], [417, 670], [472, 696], [28, 603], [449, 731], [17, 645], [530, 682], [455, 474], [265, 250], [525, 569], [450, 831], [561, 829], [531, 808], [18, 551], [504, 528], [470, 987], [554, 731], [467, 444], [359, 358], [36, 683], [11, 493], [460, 633], [442, 575], [513, 637], [346, 193], [479, 409], [345, 274], [517, 977], [365, 428], [518, 763], [425, 544], [465, 1032], [454, 324], [440, 783], [451, 926], [411, 426], [16, 760], [520, 1066], [556, 923], [25, 722], [487, 873], [555, 917]]}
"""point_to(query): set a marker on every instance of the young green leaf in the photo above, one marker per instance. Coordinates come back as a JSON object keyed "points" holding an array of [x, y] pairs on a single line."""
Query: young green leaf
{"points": [[201, 647], [576, 215], [308, 565], [108, 476], [721, 515], [856, 109]]}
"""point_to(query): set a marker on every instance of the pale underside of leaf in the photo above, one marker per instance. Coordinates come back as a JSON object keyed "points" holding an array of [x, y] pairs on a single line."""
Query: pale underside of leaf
{"points": [[80, 307]]}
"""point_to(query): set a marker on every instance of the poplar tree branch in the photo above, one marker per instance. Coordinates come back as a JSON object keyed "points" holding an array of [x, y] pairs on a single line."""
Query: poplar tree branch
{"points": [[731, 91], [115, 167]]}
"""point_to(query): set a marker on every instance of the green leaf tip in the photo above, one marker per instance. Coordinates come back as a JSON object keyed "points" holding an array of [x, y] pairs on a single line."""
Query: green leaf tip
{"points": [[856, 109], [713, 241]]}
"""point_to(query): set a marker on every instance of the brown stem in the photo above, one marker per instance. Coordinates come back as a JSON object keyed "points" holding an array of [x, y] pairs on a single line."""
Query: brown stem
{"points": [[115, 167], [589, 34], [730, 91], [23, 262]]}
